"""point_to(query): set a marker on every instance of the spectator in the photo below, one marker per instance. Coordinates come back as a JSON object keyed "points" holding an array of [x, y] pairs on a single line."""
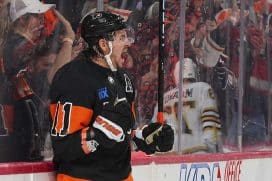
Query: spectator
{"points": [[5, 109], [22, 56], [4, 29], [24, 39], [226, 39]]}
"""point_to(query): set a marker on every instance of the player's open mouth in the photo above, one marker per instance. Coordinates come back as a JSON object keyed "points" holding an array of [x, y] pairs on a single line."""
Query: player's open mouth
{"points": [[124, 57], [123, 54]]}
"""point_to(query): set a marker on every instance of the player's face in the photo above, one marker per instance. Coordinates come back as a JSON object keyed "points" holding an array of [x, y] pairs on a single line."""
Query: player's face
{"points": [[119, 45]]}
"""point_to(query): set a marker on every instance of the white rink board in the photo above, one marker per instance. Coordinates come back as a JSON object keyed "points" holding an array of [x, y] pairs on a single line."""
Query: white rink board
{"points": [[29, 177], [174, 168], [235, 170]]}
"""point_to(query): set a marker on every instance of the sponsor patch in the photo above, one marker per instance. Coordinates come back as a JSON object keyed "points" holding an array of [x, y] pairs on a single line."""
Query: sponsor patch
{"points": [[103, 93]]}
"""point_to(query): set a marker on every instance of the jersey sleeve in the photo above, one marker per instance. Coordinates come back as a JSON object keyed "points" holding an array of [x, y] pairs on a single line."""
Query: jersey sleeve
{"points": [[210, 118], [71, 113]]}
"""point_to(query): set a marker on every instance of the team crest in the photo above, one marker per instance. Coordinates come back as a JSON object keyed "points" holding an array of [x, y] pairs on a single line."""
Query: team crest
{"points": [[92, 145], [111, 80]]}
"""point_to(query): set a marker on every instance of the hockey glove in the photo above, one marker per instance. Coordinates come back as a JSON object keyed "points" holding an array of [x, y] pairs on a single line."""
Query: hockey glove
{"points": [[224, 76], [221, 75], [154, 137]]}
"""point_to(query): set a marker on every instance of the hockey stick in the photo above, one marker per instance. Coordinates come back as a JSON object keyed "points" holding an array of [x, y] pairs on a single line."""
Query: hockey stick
{"points": [[160, 117]]}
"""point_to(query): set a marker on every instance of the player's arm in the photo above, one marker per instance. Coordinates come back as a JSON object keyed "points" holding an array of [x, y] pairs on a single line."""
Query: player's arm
{"points": [[82, 139], [68, 129], [70, 114], [211, 123]]}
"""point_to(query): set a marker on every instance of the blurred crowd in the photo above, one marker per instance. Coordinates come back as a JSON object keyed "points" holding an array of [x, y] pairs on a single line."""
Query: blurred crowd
{"points": [[37, 38]]}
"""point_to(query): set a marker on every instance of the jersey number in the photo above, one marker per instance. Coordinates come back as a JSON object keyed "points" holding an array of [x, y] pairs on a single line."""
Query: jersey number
{"points": [[3, 128], [61, 123]]}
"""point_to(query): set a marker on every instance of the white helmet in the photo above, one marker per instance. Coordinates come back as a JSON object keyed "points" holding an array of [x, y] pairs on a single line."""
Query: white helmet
{"points": [[189, 71]]}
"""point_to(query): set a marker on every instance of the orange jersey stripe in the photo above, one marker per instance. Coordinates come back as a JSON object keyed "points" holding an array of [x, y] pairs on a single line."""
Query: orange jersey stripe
{"points": [[84, 142], [130, 178], [62, 177], [79, 118]]}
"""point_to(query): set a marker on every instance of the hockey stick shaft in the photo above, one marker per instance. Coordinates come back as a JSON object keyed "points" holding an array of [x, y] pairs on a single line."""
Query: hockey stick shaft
{"points": [[160, 117]]}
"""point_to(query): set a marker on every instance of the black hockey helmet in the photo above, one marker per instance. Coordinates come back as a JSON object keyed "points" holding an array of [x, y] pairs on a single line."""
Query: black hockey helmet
{"points": [[100, 24]]}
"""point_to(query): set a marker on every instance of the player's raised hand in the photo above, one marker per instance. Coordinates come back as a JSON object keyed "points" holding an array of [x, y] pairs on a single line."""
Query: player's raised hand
{"points": [[154, 137], [161, 137], [69, 33]]}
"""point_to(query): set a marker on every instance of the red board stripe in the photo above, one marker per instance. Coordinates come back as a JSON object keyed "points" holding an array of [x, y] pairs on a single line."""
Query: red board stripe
{"points": [[24, 167], [138, 158]]}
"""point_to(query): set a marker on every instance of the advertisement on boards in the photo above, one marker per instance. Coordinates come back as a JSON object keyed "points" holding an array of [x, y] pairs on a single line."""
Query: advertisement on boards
{"points": [[217, 171]]}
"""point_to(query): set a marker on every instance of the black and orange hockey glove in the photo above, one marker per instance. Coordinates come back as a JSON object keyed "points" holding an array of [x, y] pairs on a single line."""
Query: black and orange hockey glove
{"points": [[154, 137]]}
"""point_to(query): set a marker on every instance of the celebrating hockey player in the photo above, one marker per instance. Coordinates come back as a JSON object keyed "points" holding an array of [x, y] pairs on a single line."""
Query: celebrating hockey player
{"points": [[200, 119], [92, 108]]}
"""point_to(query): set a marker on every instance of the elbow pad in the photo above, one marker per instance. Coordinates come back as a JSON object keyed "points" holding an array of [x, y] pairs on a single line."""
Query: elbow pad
{"points": [[107, 132], [104, 132]]}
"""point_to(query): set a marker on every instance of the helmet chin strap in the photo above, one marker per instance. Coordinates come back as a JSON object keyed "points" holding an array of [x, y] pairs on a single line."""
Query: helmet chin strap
{"points": [[113, 69], [108, 59]]}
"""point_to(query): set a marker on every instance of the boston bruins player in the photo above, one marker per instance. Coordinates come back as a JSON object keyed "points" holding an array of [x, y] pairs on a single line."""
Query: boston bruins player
{"points": [[92, 109], [200, 119]]}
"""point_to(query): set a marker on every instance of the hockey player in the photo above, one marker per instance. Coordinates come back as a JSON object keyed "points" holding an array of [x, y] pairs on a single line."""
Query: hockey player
{"points": [[92, 109], [200, 119]]}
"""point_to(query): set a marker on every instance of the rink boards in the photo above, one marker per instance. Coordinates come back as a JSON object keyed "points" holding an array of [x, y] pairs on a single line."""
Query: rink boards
{"points": [[253, 166]]}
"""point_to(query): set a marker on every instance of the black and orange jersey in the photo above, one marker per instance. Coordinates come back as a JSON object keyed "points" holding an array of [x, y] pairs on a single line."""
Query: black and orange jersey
{"points": [[78, 93]]}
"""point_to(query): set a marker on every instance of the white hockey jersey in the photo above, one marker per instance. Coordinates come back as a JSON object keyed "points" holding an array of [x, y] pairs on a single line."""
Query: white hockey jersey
{"points": [[200, 127]]}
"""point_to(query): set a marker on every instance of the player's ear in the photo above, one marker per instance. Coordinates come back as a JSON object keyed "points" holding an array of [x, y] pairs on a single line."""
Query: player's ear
{"points": [[103, 44]]}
